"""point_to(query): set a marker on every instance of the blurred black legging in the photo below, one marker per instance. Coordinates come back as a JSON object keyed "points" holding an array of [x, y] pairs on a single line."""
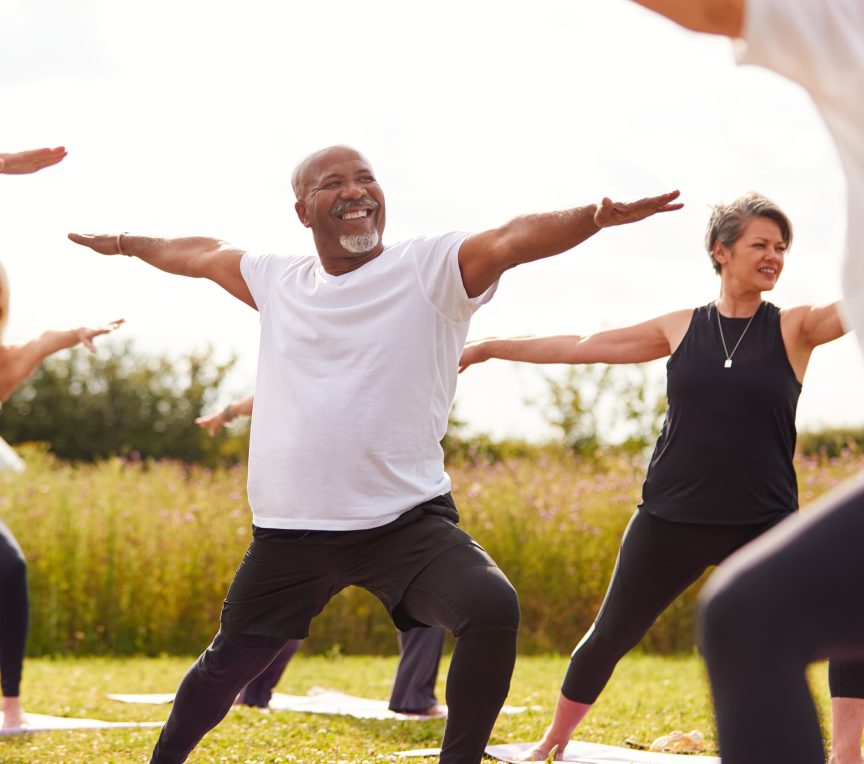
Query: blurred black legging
{"points": [[792, 597], [657, 561], [13, 612], [419, 655]]}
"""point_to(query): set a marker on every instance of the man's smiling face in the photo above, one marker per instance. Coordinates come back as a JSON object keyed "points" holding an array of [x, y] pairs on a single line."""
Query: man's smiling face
{"points": [[340, 200]]}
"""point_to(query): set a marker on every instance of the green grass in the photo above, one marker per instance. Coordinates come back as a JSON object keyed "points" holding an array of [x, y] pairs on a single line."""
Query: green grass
{"points": [[648, 696]]}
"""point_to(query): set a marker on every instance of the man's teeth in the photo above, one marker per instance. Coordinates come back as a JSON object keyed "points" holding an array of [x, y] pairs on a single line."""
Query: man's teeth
{"points": [[767, 270], [355, 215]]}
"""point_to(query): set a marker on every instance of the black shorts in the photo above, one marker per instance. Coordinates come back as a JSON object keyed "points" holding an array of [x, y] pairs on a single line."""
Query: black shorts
{"points": [[288, 576]]}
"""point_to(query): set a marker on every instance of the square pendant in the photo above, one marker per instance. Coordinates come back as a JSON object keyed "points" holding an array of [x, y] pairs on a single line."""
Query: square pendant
{"points": [[727, 364]]}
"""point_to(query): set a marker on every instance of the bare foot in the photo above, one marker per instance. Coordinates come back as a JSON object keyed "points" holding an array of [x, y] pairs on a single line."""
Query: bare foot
{"points": [[541, 751], [13, 715], [568, 714], [433, 710]]}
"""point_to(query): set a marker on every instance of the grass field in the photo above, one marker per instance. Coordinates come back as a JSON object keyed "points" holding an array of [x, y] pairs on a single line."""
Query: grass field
{"points": [[648, 696], [134, 559]]}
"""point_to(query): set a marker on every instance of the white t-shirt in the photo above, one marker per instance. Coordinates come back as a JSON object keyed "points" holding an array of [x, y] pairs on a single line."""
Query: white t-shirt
{"points": [[356, 375], [820, 45]]}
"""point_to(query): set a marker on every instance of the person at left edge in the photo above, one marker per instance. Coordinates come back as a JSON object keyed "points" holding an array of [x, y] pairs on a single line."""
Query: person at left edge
{"points": [[17, 362], [357, 371]]}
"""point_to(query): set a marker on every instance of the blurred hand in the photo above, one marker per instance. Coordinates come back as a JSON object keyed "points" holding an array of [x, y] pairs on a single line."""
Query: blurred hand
{"points": [[25, 162], [213, 424], [472, 353], [86, 336]]}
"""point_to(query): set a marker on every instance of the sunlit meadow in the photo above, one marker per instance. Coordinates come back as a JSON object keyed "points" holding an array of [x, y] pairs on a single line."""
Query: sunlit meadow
{"points": [[128, 558]]}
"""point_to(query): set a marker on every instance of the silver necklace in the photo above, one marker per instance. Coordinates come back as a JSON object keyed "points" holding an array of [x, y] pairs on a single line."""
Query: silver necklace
{"points": [[727, 364]]}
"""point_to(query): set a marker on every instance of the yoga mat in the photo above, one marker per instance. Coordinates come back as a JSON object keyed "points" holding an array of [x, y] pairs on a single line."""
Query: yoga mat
{"points": [[584, 753], [153, 698], [340, 704], [9, 460], [318, 702], [43, 723]]}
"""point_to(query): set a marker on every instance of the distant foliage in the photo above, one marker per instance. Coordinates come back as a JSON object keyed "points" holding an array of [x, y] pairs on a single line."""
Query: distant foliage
{"points": [[118, 402], [831, 442], [598, 405], [460, 448]]}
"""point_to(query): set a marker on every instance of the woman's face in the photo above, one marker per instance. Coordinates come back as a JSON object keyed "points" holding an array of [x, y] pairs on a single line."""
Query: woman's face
{"points": [[756, 258]]}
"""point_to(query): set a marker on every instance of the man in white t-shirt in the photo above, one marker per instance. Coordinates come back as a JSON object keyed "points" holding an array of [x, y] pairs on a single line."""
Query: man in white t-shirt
{"points": [[357, 370], [793, 596], [420, 649]]}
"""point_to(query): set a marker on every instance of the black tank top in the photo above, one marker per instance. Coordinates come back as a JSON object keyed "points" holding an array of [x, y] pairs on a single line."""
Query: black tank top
{"points": [[724, 455]]}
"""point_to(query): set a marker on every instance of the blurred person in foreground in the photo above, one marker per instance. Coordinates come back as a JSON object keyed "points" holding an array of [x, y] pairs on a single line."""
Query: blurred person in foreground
{"points": [[793, 596]]}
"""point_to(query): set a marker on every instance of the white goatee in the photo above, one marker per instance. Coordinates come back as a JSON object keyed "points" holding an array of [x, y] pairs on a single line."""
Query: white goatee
{"points": [[359, 243]]}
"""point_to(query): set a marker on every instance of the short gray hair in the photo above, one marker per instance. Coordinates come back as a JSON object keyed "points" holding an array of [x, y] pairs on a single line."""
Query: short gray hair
{"points": [[728, 221]]}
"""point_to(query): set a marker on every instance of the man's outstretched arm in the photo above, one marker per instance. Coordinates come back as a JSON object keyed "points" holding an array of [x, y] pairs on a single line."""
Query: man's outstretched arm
{"points": [[194, 256], [713, 16], [483, 257]]}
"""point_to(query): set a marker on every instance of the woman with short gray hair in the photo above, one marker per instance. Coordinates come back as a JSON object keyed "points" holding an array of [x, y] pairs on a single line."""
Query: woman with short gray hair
{"points": [[722, 472]]}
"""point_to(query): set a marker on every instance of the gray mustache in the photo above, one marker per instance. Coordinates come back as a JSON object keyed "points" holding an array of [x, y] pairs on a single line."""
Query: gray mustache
{"points": [[353, 204]]}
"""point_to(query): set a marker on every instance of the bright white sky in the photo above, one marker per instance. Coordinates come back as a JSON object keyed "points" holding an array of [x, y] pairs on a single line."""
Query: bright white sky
{"points": [[187, 116]]}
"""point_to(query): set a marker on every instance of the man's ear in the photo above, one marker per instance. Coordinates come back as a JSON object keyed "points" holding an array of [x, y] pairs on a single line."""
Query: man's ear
{"points": [[300, 209]]}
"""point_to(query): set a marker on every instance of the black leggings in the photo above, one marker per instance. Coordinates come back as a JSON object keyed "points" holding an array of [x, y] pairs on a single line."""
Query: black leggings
{"points": [[790, 598], [657, 561], [14, 611], [460, 590]]}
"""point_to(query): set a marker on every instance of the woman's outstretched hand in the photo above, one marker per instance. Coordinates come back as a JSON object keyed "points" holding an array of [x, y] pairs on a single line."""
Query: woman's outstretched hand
{"points": [[472, 353], [86, 336]]}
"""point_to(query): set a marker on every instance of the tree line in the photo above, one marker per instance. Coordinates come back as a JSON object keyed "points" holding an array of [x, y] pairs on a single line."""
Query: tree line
{"points": [[122, 402]]}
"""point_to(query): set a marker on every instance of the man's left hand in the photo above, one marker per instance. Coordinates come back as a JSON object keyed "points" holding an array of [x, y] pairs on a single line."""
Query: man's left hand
{"points": [[611, 213]]}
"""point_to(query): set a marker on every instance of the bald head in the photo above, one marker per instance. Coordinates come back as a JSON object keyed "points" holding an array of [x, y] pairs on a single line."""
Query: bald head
{"points": [[310, 167]]}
